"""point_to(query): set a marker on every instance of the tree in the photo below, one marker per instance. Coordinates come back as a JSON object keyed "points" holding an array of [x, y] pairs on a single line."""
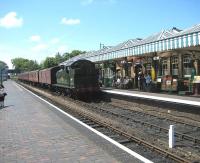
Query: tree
{"points": [[22, 64], [49, 62], [66, 56], [33, 65], [59, 58], [72, 54], [76, 52]]}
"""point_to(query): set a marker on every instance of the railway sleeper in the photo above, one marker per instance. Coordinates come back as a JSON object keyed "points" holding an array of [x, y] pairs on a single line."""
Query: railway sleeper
{"points": [[197, 141], [107, 133], [96, 126], [114, 136], [125, 141], [186, 137], [83, 119], [90, 123]]}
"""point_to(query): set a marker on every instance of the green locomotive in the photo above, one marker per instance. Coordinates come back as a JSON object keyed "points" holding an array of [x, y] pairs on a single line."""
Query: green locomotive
{"points": [[77, 77]]}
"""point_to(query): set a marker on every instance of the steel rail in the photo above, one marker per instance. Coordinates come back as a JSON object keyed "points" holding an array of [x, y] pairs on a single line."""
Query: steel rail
{"points": [[177, 134], [137, 140], [177, 121]]}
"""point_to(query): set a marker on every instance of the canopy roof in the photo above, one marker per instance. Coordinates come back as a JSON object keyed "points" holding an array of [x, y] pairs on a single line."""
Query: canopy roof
{"points": [[159, 42]]}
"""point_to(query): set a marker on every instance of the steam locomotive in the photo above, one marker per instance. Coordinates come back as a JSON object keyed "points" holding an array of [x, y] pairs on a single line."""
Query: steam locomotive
{"points": [[74, 78]]}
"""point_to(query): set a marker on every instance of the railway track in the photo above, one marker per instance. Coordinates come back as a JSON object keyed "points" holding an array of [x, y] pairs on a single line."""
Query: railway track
{"points": [[128, 140], [156, 153], [138, 117], [159, 135], [166, 114]]}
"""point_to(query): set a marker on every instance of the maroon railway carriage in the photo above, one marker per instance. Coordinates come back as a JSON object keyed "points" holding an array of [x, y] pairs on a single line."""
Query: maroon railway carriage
{"points": [[48, 76], [23, 76], [34, 76]]}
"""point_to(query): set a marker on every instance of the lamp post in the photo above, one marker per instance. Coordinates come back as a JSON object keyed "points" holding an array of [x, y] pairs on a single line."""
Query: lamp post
{"points": [[2, 74]]}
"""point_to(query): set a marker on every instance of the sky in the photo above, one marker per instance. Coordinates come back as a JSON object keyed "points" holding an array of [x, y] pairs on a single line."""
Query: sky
{"points": [[36, 29]]}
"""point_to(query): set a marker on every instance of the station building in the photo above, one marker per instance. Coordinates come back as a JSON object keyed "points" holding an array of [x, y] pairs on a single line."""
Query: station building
{"points": [[170, 57]]}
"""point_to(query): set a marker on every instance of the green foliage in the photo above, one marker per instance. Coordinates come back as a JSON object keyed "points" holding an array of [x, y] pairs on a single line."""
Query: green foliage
{"points": [[50, 62], [54, 61], [59, 58], [22, 65], [72, 54]]}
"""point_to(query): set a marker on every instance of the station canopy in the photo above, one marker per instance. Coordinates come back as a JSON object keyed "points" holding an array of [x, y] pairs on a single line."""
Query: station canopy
{"points": [[160, 42]]}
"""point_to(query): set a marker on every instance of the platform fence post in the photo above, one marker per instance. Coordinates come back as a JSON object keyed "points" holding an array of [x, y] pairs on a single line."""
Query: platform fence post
{"points": [[171, 136]]}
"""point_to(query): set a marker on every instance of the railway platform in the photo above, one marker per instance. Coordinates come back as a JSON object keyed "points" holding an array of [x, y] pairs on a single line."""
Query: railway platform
{"points": [[33, 131], [188, 100]]}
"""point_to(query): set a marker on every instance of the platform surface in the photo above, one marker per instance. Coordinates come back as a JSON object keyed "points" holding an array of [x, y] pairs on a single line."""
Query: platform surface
{"points": [[31, 131]]}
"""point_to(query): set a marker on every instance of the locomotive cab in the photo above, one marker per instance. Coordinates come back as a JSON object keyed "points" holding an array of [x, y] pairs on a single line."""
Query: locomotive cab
{"points": [[85, 76], [78, 76], [62, 77]]}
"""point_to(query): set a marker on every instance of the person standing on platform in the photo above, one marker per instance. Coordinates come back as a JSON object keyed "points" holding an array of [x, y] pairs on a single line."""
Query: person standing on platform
{"points": [[139, 77], [140, 80], [148, 81], [2, 96]]}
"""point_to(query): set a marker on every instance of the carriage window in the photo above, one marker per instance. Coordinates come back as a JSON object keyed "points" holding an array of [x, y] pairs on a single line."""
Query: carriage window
{"points": [[187, 66], [164, 67], [174, 65]]}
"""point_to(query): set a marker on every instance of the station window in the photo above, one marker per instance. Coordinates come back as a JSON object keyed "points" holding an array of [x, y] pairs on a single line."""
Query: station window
{"points": [[187, 66], [125, 51], [130, 51], [113, 54], [174, 63], [164, 67]]}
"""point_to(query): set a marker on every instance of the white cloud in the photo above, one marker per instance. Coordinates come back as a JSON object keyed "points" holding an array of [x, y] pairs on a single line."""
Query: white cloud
{"points": [[70, 21], [54, 40], [10, 20], [39, 47], [35, 38]]}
